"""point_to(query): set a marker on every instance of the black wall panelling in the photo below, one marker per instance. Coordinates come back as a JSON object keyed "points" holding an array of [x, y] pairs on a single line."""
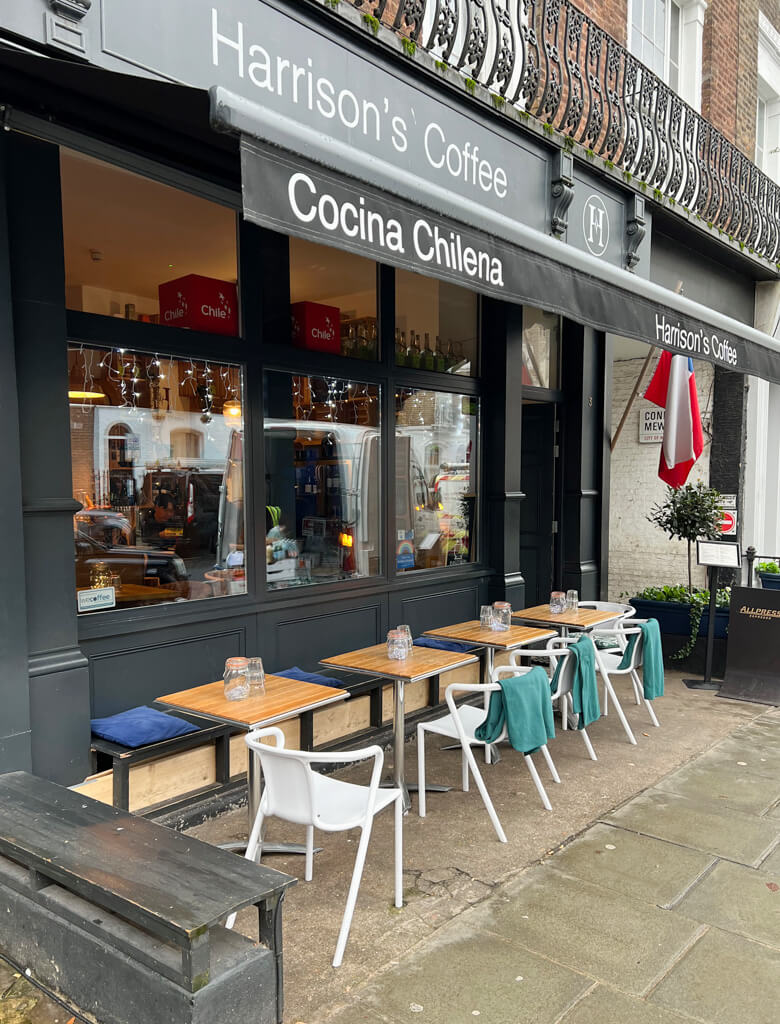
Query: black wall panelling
{"points": [[59, 681], [502, 366], [15, 737], [582, 445]]}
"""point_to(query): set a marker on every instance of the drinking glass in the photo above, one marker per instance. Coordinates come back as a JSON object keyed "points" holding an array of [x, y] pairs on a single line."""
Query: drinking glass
{"points": [[502, 615], [397, 649], [572, 600], [557, 602], [256, 677], [236, 678], [407, 632], [486, 616]]}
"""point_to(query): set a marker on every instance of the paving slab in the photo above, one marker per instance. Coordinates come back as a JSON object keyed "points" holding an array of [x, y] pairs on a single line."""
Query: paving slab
{"points": [[700, 825], [733, 752], [603, 1005], [772, 862], [724, 979], [737, 899], [613, 938], [727, 783], [460, 976], [647, 869]]}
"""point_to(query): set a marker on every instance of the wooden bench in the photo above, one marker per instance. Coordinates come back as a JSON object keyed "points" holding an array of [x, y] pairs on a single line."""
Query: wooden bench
{"points": [[124, 758], [120, 916]]}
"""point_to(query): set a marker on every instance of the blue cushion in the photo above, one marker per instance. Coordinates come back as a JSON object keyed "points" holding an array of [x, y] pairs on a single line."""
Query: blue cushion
{"points": [[443, 645], [308, 677], [139, 726]]}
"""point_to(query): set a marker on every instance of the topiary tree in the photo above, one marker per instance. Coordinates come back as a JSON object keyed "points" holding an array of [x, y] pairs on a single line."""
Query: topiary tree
{"points": [[692, 512]]}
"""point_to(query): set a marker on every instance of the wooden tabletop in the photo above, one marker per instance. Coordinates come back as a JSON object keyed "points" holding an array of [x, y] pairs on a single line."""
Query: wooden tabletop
{"points": [[165, 881], [473, 633], [422, 662], [283, 698], [582, 618]]}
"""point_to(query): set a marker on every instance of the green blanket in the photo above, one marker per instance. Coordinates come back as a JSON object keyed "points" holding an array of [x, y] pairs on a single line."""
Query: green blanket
{"points": [[652, 658], [522, 704], [585, 688]]}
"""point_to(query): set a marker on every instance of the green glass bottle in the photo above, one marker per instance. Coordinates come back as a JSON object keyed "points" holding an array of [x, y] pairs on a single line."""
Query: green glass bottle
{"points": [[413, 352], [428, 361], [439, 358], [400, 347]]}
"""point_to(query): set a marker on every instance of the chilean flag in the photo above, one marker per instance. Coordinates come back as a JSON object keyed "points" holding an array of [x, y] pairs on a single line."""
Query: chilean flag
{"points": [[673, 387]]}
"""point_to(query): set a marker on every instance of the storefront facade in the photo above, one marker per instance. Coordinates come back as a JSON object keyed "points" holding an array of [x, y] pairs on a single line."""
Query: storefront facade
{"points": [[305, 343]]}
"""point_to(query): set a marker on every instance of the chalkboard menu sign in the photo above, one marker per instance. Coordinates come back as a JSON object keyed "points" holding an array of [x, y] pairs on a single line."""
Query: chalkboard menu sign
{"points": [[753, 657]]}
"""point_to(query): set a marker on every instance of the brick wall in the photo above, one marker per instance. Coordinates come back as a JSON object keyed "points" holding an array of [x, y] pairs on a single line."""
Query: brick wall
{"points": [[609, 14], [641, 555]]}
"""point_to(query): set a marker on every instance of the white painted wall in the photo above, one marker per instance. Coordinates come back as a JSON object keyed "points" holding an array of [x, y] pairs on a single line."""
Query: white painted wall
{"points": [[640, 554]]}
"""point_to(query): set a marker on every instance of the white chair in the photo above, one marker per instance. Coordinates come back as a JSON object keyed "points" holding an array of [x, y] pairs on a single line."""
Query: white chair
{"points": [[608, 663], [295, 792], [556, 650], [461, 724]]}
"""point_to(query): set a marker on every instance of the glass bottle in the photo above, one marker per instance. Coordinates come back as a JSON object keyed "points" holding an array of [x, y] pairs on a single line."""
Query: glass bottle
{"points": [[362, 343], [373, 347], [427, 360], [400, 347], [348, 341], [439, 358], [414, 353], [450, 355]]}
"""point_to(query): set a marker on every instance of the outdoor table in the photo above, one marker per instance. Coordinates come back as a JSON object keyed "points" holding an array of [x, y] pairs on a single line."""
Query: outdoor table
{"points": [[421, 663], [579, 618], [492, 640], [283, 699]]}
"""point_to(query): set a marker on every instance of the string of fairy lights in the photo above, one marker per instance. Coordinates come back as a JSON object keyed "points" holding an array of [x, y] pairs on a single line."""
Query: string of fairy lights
{"points": [[147, 382]]}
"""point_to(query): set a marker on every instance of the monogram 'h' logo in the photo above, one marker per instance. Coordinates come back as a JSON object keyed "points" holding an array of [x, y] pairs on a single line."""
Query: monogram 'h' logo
{"points": [[595, 225]]}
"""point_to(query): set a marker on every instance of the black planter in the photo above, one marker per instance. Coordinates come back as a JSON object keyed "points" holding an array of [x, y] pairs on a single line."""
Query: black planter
{"points": [[675, 618], [770, 580]]}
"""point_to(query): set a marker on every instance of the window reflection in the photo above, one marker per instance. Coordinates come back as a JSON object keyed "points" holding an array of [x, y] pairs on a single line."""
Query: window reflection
{"points": [[158, 468], [436, 478], [322, 461], [541, 344]]}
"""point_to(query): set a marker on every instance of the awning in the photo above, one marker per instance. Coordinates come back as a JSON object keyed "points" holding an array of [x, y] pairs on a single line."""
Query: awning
{"points": [[287, 187]]}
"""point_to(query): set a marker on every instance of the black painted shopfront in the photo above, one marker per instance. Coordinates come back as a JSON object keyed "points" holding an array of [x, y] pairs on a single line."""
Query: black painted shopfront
{"points": [[307, 438]]}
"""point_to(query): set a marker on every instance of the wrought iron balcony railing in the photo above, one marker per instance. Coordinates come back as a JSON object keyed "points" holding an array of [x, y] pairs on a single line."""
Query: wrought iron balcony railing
{"points": [[550, 60]]}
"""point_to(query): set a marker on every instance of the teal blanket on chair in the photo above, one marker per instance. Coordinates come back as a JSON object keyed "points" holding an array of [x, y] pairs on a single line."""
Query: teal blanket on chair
{"points": [[652, 658], [523, 704], [585, 687]]}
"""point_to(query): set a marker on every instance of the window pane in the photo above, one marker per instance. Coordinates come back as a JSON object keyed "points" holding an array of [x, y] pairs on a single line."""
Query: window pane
{"points": [[156, 448], [541, 341], [137, 249], [435, 325], [333, 300], [436, 478], [674, 33], [322, 466]]}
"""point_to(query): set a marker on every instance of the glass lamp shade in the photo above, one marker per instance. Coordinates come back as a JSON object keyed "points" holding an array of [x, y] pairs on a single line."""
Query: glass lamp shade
{"points": [[231, 410]]}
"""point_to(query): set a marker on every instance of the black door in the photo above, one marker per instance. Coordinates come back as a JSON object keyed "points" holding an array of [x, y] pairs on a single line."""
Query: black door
{"points": [[537, 510]]}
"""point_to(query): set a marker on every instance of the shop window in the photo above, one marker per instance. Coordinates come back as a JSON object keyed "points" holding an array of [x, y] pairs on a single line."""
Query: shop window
{"points": [[541, 348], [144, 251], [435, 325], [156, 448], [322, 465], [436, 479], [333, 301]]}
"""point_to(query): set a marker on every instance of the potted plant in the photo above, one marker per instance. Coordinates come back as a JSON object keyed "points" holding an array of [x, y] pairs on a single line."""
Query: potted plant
{"points": [[688, 513], [769, 574]]}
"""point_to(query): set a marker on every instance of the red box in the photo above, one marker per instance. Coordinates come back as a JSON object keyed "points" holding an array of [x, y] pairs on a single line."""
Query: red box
{"points": [[315, 326], [200, 303]]}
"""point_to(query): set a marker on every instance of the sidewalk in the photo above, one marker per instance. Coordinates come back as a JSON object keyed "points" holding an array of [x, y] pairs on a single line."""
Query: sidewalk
{"points": [[462, 937], [667, 909]]}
